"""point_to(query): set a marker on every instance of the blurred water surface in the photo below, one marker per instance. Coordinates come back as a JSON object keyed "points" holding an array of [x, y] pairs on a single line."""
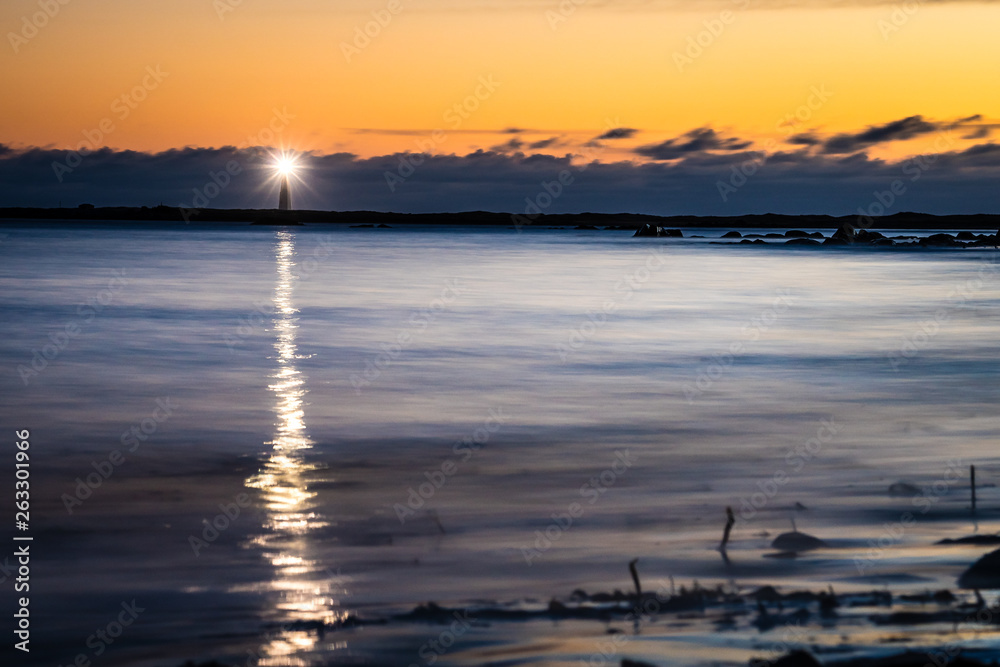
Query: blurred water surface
{"points": [[373, 418]]}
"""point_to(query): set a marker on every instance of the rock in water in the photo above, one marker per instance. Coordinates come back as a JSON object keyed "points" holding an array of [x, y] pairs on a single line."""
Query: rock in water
{"points": [[988, 540], [867, 236], [653, 230], [903, 489], [939, 240], [843, 236], [984, 573], [793, 659], [796, 541]]}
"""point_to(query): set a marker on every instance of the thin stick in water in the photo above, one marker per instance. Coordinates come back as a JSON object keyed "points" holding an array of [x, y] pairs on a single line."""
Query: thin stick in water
{"points": [[635, 577], [972, 473], [730, 520]]}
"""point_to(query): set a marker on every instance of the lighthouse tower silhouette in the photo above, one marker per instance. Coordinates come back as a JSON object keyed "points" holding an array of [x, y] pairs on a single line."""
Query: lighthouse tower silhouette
{"points": [[284, 196]]}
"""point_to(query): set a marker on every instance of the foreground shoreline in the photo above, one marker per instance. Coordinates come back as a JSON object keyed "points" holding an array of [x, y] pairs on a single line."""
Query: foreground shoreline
{"points": [[878, 628], [86, 213]]}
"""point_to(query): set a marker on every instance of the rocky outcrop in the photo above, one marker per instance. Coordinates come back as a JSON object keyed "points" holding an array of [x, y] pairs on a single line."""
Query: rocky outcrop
{"points": [[940, 241], [793, 659], [843, 236], [867, 236], [652, 230], [984, 573], [909, 659], [797, 541], [851, 236]]}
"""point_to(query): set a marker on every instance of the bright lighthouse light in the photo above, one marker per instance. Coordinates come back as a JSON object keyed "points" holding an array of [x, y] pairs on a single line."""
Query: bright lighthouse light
{"points": [[285, 166]]}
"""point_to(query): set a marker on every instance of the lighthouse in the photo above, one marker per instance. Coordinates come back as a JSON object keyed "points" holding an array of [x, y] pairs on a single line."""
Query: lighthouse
{"points": [[286, 169], [284, 196]]}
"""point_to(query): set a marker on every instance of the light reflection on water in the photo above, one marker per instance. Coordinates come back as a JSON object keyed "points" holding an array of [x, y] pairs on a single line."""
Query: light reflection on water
{"points": [[302, 591]]}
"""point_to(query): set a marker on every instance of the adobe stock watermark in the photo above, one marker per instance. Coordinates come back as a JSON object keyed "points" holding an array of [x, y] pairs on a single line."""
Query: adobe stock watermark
{"points": [[929, 328], [218, 181], [266, 135], [624, 289], [551, 191], [433, 649], [102, 638], [137, 434], [256, 656], [723, 362], [365, 34], [248, 324], [223, 7], [644, 611], [220, 523], [35, 23], [462, 451], [60, 340], [913, 169], [741, 173], [419, 322], [455, 116], [893, 533], [566, 9], [121, 108], [899, 16], [793, 634], [944, 654], [795, 459], [592, 490], [714, 29]]}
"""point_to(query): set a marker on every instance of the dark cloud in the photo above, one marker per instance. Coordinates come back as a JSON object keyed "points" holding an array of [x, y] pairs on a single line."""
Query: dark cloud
{"points": [[897, 130], [544, 143], [696, 141], [981, 155], [805, 139], [979, 133], [617, 133], [669, 5], [513, 145], [799, 181]]}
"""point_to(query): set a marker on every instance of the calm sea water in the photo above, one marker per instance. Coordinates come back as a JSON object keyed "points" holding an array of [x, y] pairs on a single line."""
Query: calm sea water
{"points": [[237, 428]]}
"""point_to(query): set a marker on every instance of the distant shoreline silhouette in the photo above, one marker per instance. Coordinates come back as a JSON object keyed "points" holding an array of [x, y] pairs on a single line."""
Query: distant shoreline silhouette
{"points": [[624, 221]]}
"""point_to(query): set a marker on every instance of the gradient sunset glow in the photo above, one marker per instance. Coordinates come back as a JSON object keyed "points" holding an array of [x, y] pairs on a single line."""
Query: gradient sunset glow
{"points": [[645, 83]]}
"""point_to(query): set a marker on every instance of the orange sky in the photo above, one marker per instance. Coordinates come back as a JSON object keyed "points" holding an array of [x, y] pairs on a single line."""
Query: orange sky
{"points": [[602, 66]]}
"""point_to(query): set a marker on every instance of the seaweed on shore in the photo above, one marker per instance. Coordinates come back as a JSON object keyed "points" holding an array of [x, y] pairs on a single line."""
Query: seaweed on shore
{"points": [[908, 659]]}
